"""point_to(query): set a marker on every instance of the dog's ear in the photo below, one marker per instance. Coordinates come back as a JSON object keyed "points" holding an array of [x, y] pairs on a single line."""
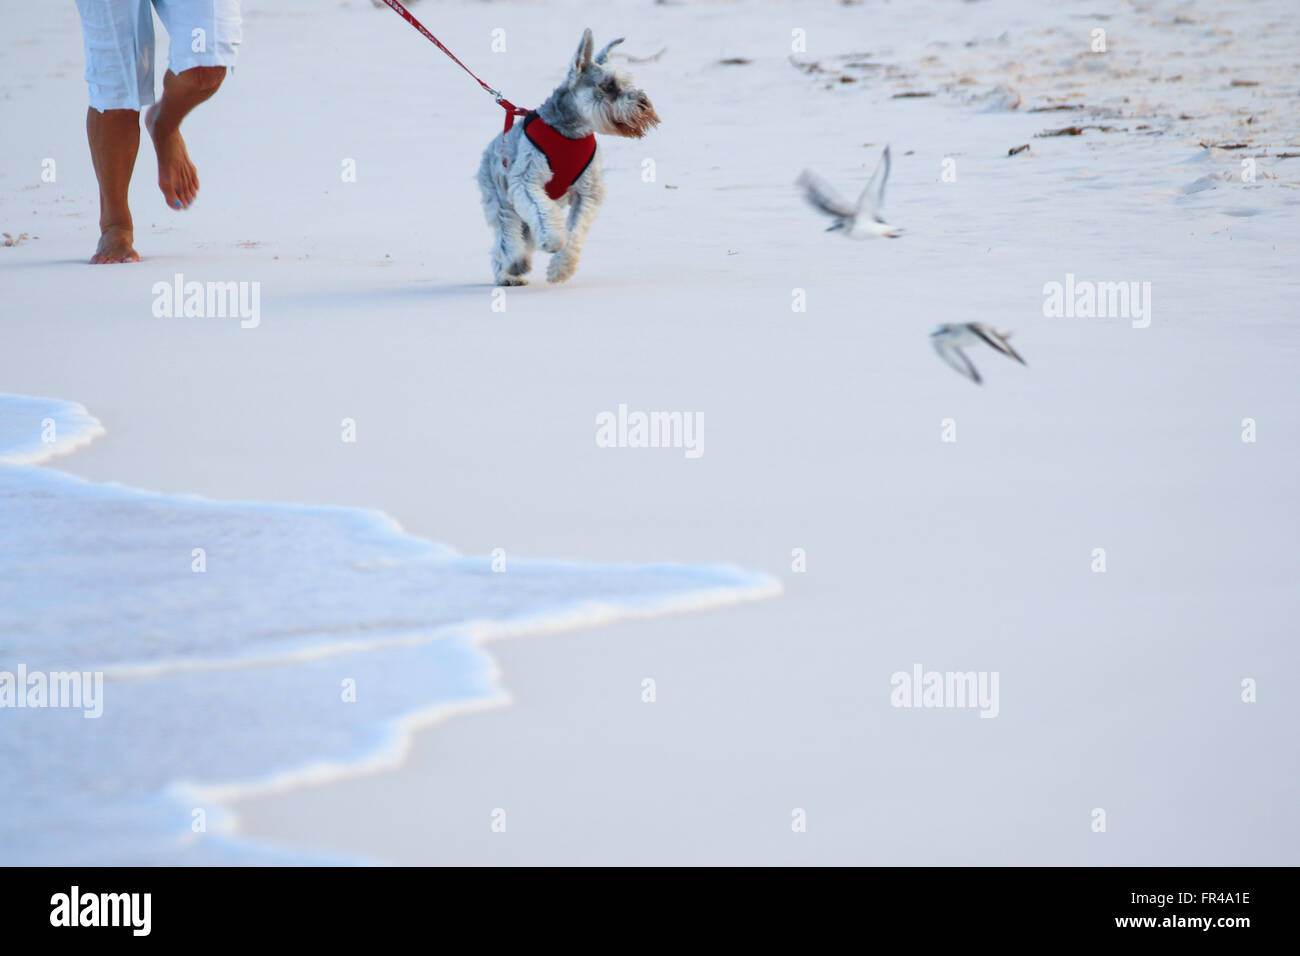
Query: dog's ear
{"points": [[604, 53], [581, 59]]}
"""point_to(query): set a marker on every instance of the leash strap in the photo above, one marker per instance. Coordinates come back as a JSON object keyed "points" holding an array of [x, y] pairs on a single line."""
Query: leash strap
{"points": [[511, 110]]}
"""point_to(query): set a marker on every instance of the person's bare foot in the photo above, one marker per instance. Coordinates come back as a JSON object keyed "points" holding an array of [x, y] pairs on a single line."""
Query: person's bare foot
{"points": [[177, 177], [115, 245]]}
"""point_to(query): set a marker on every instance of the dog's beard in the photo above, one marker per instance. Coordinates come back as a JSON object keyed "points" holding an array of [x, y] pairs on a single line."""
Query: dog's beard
{"points": [[632, 117]]}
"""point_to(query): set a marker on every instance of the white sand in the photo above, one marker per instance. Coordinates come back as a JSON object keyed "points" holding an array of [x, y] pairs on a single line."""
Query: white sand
{"points": [[1118, 691]]}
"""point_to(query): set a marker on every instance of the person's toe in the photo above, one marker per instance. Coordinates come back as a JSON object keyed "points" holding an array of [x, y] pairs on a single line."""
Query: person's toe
{"points": [[170, 194]]}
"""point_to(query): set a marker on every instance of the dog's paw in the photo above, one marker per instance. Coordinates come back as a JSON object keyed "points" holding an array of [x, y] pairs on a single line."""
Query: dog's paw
{"points": [[511, 280], [519, 267], [554, 241], [560, 268]]}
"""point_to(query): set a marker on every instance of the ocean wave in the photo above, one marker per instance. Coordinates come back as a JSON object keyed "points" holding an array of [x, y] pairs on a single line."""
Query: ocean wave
{"points": [[245, 647]]}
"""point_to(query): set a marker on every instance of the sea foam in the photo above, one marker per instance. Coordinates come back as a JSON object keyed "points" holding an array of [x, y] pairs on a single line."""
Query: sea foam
{"points": [[309, 646]]}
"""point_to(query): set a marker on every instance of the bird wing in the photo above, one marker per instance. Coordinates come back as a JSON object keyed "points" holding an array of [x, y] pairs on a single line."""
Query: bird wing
{"points": [[998, 340], [822, 196], [956, 358], [872, 199]]}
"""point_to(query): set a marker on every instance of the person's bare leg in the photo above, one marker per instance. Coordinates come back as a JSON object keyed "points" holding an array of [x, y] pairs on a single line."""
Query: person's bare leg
{"points": [[114, 137], [177, 177]]}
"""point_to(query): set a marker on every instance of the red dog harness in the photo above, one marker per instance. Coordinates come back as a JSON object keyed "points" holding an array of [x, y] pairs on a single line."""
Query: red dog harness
{"points": [[568, 158]]}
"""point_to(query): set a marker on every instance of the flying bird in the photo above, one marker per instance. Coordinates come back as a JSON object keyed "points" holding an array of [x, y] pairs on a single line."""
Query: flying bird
{"points": [[949, 340], [864, 222]]}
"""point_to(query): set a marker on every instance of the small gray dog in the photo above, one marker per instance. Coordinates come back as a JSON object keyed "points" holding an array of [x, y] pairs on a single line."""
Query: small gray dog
{"points": [[549, 159]]}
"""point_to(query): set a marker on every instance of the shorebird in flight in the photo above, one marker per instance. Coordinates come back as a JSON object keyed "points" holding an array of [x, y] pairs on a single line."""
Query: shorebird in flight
{"points": [[864, 222], [949, 340]]}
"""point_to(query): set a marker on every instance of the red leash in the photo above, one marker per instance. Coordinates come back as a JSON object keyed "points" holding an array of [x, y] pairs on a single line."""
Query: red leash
{"points": [[511, 110]]}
